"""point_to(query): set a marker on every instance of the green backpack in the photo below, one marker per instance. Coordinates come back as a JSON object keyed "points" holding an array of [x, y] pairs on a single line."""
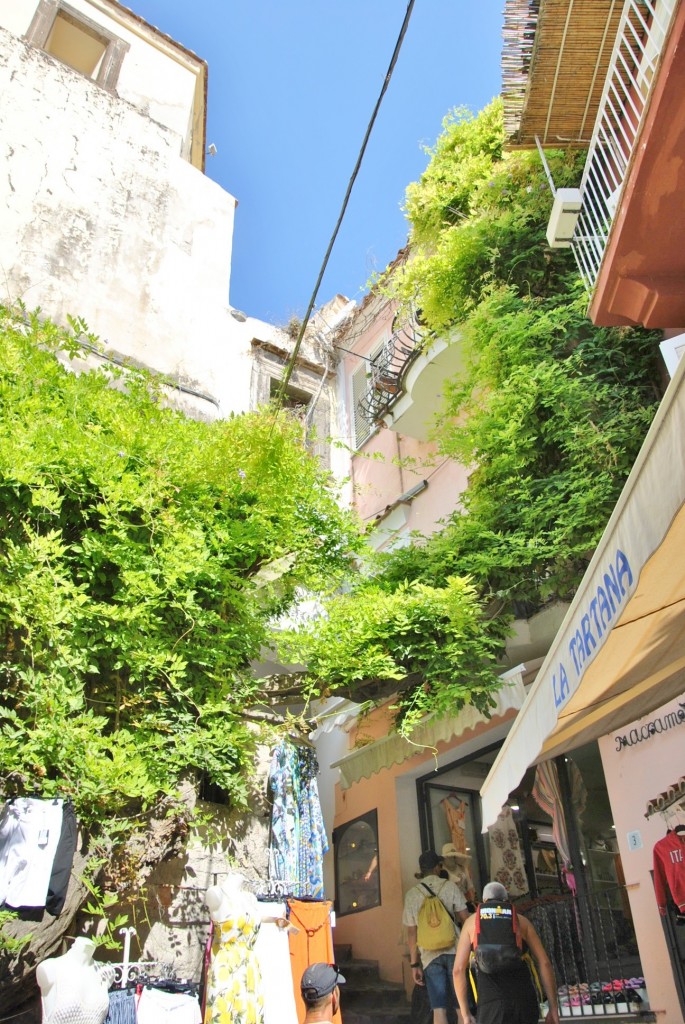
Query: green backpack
{"points": [[436, 928]]}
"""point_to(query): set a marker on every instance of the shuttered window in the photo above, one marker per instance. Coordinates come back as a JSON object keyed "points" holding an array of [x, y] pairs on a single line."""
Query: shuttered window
{"points": [[360, 382]]}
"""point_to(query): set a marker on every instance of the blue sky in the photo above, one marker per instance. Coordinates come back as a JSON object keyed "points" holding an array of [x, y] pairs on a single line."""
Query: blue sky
{"points": [[291, 89]]}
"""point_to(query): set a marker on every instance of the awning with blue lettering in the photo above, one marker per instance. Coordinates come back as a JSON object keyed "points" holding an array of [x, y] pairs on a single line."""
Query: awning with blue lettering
{"points": [[620, 651]]}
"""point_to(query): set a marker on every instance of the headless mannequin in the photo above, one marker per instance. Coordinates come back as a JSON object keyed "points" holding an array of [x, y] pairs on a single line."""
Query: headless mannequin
{"points": [[234, 988], [228, 898], [73, 987]]}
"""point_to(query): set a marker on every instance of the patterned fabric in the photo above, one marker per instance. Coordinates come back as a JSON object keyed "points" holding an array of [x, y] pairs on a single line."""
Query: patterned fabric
{"points": [[506, 858], [298, 834], [234, 994], [547, 795]]}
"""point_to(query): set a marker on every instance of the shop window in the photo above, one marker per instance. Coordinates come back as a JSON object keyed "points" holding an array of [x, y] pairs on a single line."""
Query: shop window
{"points": [[78, 42], [357, 865]]}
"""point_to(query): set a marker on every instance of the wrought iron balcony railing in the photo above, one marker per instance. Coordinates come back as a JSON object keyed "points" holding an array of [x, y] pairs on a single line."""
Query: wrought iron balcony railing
{"points": [[387, 369], [642, 32]]}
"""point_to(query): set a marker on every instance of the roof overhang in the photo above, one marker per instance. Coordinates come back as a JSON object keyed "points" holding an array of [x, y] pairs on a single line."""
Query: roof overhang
{"points": [[554, 63], [425, 738], [620, 652]]}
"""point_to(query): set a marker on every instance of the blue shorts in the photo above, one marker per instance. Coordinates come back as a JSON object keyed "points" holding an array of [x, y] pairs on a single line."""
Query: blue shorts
{"points": [[439, 983]]}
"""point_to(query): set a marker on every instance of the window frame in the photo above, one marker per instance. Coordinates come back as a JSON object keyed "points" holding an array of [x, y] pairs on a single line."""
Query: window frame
{"points": [[43, 22], [365, 371], [370, 819]]}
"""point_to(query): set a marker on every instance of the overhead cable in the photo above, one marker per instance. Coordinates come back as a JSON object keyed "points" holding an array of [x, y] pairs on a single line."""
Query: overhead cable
{"points": [[303, 327]]}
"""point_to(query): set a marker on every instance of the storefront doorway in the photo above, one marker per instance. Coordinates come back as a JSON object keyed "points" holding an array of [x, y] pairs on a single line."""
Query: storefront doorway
{"points": [[554, 848]]}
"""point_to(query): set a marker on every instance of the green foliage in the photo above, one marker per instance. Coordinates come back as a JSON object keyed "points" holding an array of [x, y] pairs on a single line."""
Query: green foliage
{"points": [[143, 557], [438, 634], [548, 411], [478, 218]]}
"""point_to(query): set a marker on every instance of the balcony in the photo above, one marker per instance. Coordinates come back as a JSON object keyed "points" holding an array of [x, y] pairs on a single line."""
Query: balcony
{"points": [[387, 369], [406, 380], [627, 243]]}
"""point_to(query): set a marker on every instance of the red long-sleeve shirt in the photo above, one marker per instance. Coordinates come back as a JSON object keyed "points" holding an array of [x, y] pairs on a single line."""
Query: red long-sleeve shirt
{"points": [[669, 871]]}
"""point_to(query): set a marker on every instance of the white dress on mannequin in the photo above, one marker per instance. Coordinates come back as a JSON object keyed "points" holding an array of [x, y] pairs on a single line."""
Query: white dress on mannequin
{"points": [[73, 987], [273, 953]]}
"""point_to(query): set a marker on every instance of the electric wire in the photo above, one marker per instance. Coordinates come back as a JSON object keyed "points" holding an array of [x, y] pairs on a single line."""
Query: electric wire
{"points": [[303, 327]]}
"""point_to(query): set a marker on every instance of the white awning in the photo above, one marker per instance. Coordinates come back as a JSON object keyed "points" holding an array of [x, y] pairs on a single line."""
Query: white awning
{"points": [[394, 749], [620, 651]]}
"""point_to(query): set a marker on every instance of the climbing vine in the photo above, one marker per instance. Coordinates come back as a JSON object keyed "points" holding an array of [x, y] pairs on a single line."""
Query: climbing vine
{"points": [[143, 559], [549, 413]]}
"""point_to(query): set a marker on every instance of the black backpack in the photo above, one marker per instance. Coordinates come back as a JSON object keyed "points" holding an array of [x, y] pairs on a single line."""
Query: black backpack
{"points": [[497, 941]]}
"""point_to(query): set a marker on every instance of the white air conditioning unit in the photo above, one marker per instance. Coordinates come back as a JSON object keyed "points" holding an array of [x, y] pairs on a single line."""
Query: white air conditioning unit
{"points": [[564, 217]]}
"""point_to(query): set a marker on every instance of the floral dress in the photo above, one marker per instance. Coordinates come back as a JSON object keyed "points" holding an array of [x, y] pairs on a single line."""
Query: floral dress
{"points": [[234, 991]]}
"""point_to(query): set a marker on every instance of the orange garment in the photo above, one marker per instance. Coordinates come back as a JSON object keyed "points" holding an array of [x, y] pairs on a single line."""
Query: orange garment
{"points": [[313, 943], [456, 821]]}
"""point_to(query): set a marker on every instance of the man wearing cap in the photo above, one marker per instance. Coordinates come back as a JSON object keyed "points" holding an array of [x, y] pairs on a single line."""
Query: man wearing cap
{"points": [[320, 992], [433, 967]]}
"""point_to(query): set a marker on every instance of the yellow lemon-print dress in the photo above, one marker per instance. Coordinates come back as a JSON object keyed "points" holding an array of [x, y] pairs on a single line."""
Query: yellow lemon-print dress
{"points": [[234, 990]]}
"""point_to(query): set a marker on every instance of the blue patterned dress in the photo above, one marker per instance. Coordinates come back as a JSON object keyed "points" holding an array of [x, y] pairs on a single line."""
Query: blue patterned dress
{"points": [[298, 834]]}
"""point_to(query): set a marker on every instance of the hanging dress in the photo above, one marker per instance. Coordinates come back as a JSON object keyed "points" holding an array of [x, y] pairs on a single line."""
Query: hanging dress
{"points": [[234, 989], [298, 835], [506, 856], [312, 944], [273, 955]]}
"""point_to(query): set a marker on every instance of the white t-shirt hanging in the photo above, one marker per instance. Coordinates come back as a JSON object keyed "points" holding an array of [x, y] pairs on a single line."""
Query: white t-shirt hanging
{"points": [[29, 833]]}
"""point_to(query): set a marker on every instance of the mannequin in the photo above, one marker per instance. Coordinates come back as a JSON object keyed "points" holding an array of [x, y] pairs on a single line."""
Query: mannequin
{"points": [[234, 990], [73, 987]]}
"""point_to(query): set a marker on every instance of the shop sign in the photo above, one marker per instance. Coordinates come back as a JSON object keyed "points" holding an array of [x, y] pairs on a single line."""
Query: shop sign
{"points": [[592, 626], [656, 726]]}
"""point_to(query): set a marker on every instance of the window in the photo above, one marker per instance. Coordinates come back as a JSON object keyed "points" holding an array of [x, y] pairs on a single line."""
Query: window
{"points": [[294, 399], [361, 378], [357, 865], [78, 42], [362, 427]]}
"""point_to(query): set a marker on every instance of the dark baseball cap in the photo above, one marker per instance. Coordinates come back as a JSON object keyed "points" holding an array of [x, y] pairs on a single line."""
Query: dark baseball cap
{"points": [[319, 980], [429, 860]]}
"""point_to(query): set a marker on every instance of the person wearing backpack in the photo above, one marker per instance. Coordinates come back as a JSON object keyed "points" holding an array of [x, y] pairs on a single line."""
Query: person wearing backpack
{"points": [[495, 951], [433, 910]]}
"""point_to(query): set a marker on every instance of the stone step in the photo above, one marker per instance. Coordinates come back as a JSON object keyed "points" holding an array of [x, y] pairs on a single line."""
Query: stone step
{"points": [[379, 1016], [373, 997], [343, 952], [359, 972]]}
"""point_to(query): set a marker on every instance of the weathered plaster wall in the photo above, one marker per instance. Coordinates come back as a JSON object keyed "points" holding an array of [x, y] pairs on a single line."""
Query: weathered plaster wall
{"points": [[161, 83], [634, 775], [104, 220]]}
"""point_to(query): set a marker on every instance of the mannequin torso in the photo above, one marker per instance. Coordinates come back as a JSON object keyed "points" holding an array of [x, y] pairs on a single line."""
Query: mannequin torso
{"points": [[234, 990], [73, 987]]}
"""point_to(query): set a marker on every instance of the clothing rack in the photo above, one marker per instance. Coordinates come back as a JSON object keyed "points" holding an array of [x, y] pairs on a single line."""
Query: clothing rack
{"points": [[673, 795], [142, 971], [273, 888]]}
